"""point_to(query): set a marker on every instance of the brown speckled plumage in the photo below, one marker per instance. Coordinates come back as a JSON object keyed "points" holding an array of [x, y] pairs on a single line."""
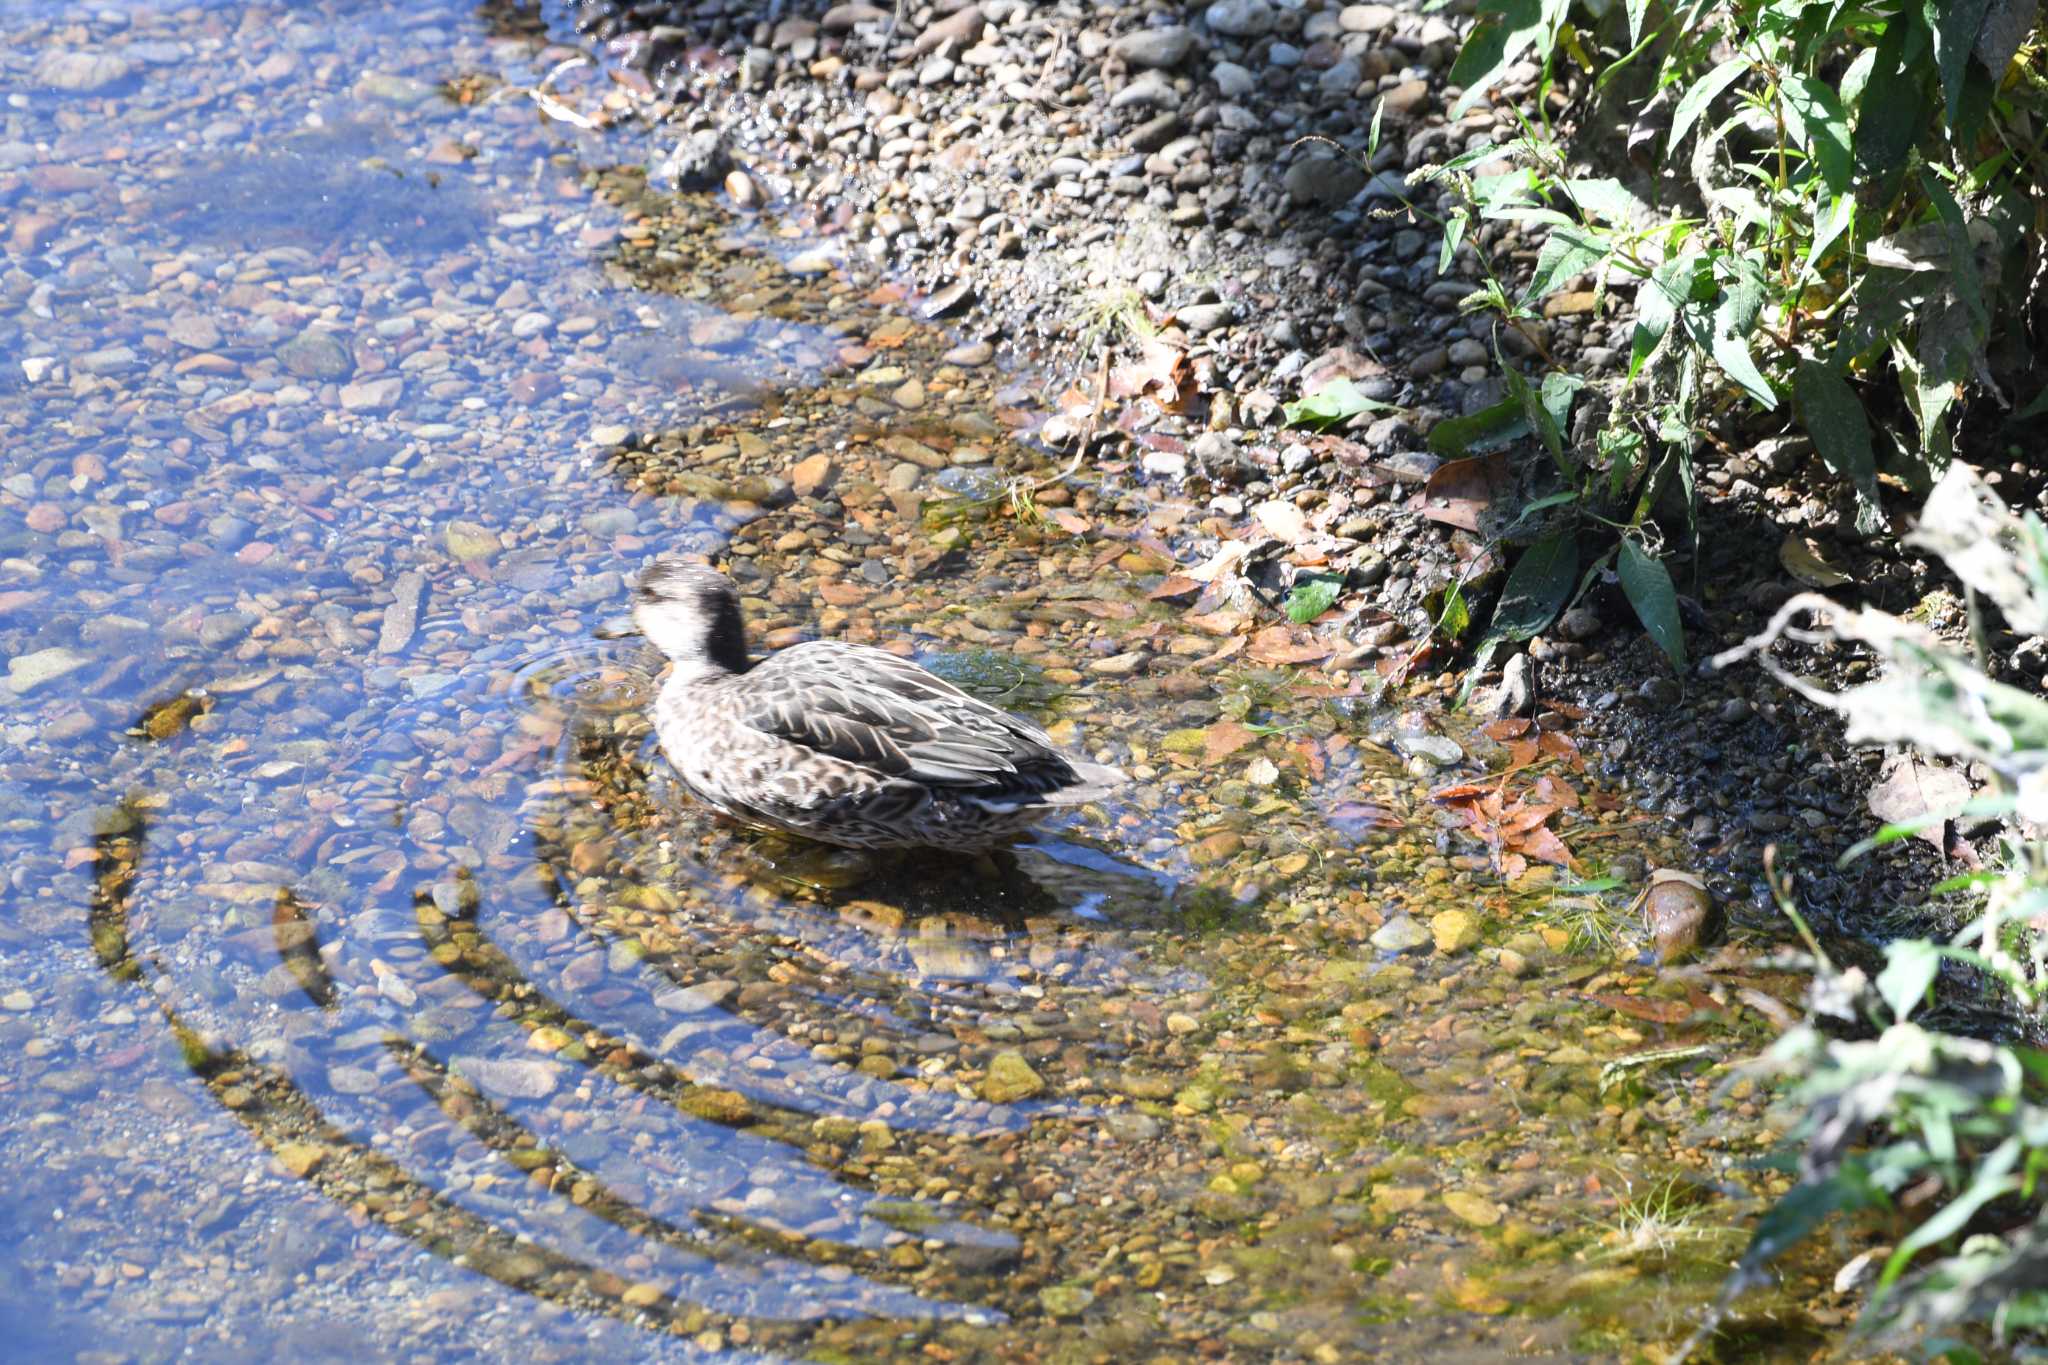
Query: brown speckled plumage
{"points": [[841, 743]]}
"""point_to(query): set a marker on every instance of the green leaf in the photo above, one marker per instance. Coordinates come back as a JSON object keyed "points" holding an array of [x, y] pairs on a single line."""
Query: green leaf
{"points": [[1648, 585], [1606, 199], [1732, 354], [1536, 592], [1911, 964], [1695, 101], [1454, 236], [1454, 618], [1497, 44], [1623, 448], [1311, 597], [1818, 122], [1481, 433], [1658, 300], [1805, 1207], [1893, 110], [1539, 586], [1734, 319], [1834, 417], [1337, 401], [1636, 10], [1567, 251], [1830, 223], [1955, 24], [1559, 389], [1539, 418], [1989, 1180]]}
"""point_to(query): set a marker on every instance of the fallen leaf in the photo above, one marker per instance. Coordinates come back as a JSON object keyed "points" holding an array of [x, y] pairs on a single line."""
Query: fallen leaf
{"points": [[1540, 843], [1223, 739], [1801, 558], [1223, 563], [1525, 818], [1282, 520], [1461, 492], [1287, 645], [1349, 816], [1337, 401], [1161, 373], [1911, 789], [1224, 622]]}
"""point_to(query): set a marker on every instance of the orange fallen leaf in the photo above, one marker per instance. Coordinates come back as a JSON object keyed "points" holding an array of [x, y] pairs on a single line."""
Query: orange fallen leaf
{"points": [[1541, 844], [1524, 818], [1223, 739], [1287, 645]]}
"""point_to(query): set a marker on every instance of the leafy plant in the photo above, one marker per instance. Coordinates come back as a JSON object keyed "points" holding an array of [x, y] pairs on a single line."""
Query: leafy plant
{"points": [[1967, 1117], [1844, 227]]}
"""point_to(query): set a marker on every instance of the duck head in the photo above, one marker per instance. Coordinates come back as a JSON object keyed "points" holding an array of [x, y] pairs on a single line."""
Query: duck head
{"points": [[692, 614]]}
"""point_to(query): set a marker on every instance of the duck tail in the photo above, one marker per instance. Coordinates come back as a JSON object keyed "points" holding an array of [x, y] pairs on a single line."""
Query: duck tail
{"points": [[1092, 782]]}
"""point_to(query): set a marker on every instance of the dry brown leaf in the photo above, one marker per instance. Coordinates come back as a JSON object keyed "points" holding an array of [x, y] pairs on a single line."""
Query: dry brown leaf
{"points": [[1542, 844], [1911, 789], [1224, 622], [1287, 645], [1460, 492], [1161, 373]]}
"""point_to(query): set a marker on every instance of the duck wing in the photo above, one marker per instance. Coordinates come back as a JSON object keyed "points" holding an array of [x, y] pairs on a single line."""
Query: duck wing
{"points": [[869, 708]]}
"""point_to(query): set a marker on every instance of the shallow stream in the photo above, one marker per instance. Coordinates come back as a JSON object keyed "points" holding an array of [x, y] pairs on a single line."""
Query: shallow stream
{"points": [[367, 989]]}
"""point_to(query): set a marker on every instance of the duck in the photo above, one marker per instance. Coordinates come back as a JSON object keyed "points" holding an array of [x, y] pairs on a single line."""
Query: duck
{"points": [[841, 743]]}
